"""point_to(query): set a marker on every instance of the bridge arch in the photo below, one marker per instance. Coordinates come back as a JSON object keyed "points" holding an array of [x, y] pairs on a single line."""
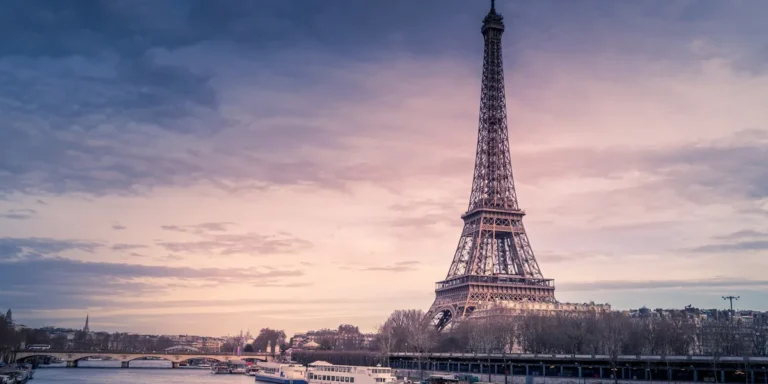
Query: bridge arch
{"points": [[185, 359], [159, 357], [36, 355], [104, 356]]}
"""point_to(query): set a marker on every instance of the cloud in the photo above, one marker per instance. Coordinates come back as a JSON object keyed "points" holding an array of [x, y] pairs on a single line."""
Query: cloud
{"points": [[127, 247], [66, 283], [747, 233], [747, 240], [170, 98], [35, 247], [18, 214], [401, 266], [252, 244], [548, 257], [741, 246], [202, 228], [664, 284], [729, 166], [118, 227], [423, 221]]}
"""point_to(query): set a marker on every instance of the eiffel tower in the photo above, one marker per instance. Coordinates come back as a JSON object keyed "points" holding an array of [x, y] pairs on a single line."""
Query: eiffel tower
{"points": [[494, 261]]}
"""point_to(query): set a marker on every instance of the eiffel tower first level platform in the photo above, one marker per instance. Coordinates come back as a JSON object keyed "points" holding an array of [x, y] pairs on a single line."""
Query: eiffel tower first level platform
{"points": [[460, 296], [494, 262]]}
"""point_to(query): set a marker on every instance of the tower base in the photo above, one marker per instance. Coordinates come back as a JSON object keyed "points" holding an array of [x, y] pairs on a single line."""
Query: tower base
{"points": [[459, 297]]}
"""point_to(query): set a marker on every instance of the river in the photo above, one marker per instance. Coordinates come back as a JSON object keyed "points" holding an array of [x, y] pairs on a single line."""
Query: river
{"points": [[134, 376]]}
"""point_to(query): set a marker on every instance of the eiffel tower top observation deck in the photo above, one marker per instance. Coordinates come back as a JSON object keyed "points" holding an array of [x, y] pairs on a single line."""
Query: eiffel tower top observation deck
{"points": [[494, 261]]}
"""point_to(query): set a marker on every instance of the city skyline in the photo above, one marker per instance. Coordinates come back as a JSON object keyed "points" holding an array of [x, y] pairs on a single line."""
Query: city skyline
{"points": [[299, 165]]}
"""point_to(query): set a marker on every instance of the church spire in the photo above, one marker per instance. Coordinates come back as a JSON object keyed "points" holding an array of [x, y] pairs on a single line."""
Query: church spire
{"points": [[86, 329]]}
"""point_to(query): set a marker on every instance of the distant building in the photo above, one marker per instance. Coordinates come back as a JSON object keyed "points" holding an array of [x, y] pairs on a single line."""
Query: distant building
{"points": [[346, 337], [523, 307]]}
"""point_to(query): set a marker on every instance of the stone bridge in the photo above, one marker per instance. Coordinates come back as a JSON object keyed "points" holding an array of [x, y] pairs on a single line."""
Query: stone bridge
{"points": [[72, 357]]}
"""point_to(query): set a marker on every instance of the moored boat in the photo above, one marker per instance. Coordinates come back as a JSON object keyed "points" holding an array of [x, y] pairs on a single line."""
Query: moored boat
{"points": [[237, 366], [321, 372], [220, 368], [281, 373], [7, 378]]}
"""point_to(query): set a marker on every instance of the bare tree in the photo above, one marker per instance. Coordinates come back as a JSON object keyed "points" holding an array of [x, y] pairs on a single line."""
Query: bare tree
{"points": [[410, 332], [614, 337], [386, 340], [492, 333]]}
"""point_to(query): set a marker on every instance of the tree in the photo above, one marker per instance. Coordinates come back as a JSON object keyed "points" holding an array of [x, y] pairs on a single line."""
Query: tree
{"points": [[455, 339], [487, 335], [268, 337], [227, 346], [349, 329], [614, 336], [385, 341], [9, 338], [248, 348], [410, 331], [490, 334], [326, 344], [162, 343], [34, 336]]}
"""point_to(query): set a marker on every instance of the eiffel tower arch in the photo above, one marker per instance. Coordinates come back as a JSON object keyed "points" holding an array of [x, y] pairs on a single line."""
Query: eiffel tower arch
{"points": [[494, 261]]}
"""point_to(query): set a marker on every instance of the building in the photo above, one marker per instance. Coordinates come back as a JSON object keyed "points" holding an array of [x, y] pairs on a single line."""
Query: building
{"points": [[346, 337]]}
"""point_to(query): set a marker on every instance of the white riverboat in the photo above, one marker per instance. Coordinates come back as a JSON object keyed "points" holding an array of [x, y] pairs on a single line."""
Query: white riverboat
{"points": [[281, 373], [321, 372]]}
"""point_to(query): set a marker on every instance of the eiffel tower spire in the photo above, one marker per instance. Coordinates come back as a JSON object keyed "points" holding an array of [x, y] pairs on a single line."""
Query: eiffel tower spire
{"points": [[494, 260]]}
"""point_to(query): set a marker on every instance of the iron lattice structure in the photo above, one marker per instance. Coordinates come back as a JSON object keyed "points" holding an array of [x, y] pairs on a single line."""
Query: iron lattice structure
{"points": [[494, 261]]}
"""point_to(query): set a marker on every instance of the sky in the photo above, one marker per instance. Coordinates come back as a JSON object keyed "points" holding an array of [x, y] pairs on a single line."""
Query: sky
{"points": [[204, 167]]}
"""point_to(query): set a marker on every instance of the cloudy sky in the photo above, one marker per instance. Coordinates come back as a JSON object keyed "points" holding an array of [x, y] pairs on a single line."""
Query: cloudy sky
{"points": [[201, 167]]}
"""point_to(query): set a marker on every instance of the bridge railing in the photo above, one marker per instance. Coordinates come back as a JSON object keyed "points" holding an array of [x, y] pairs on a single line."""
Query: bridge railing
{"points": [[532, 356]]}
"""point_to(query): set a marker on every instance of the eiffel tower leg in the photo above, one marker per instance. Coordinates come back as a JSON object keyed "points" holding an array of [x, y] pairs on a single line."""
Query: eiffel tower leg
{"points": [[440, 316]]}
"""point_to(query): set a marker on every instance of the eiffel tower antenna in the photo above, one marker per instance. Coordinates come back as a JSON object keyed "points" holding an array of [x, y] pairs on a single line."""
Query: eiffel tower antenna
{"points": [[494, 261]]}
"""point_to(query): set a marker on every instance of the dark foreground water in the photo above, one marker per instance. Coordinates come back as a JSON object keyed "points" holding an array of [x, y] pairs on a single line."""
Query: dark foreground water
{"points": [[134, 376]]}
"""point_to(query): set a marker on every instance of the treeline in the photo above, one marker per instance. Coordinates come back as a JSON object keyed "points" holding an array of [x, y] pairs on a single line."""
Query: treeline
{"points": [[609, 334], [266, 341]]}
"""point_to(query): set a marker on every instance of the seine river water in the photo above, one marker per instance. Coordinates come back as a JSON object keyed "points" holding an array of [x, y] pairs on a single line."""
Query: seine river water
{"points": [[134, 376]]}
